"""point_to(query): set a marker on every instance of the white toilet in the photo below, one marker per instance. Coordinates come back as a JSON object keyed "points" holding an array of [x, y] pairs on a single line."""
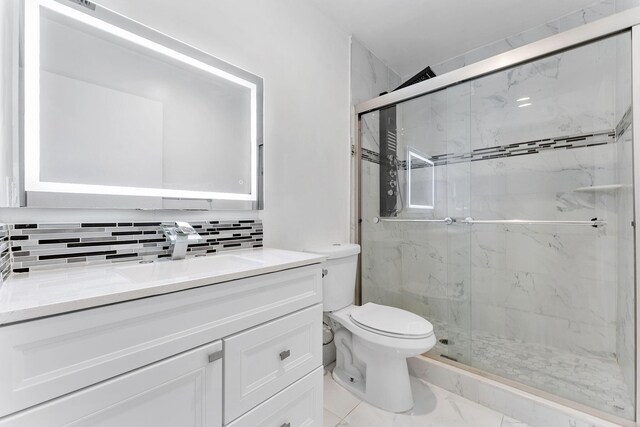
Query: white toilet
{"points": [[372, 341]]}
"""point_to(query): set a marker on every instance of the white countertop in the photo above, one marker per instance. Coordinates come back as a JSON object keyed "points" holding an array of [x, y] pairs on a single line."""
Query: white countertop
{"points": [[31, 295]]}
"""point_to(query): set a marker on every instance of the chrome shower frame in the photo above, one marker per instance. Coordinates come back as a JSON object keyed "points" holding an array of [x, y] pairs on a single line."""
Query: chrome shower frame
{"points": [[628, 20]]}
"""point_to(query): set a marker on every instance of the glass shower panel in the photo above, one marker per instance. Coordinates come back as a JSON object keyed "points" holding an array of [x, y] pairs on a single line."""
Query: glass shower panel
{"points": [[418, 266], [552, 298], [381, 243]]}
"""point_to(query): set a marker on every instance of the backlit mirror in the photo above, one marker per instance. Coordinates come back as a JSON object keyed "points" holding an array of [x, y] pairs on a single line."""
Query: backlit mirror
{"points": [[119, 115]]}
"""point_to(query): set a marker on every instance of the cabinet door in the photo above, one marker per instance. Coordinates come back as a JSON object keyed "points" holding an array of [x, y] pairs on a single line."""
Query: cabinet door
{"points": [[184, 390]]}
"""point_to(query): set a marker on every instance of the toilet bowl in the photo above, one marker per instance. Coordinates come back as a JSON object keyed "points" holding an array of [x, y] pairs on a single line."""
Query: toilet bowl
{"points": [[372, 341]]}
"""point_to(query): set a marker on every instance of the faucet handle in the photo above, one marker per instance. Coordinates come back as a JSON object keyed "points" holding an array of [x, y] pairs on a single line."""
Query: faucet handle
{"points": [[180, 234], [184, 228], [180, 230]]}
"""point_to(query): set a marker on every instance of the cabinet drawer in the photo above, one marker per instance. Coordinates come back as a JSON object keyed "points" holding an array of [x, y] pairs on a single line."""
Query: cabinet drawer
{"points": [[183, 390], [46, 358], [300, 404], [264, 360]]}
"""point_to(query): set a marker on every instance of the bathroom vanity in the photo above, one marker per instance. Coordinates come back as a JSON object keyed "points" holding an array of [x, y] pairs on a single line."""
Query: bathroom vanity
{"points": [[231, 339], [144, 121]]}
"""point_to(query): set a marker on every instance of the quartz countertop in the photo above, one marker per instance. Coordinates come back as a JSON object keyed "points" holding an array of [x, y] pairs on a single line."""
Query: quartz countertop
{"points": [[26, 296]]}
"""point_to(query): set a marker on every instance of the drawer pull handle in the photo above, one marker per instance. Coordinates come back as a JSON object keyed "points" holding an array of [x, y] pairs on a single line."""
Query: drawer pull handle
{"points": [[284, 355], [286, 425], [215, 356]]}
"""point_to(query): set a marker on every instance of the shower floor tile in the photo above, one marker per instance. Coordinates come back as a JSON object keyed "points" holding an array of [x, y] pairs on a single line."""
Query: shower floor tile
{"points": [[590, 380]]}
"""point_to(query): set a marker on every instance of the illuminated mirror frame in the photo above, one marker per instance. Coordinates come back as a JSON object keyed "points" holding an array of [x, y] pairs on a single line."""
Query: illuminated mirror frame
{"points": [[412, 154], [124, 28]]}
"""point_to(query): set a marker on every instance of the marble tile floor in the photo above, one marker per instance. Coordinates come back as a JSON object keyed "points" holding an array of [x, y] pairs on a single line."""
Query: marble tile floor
{"points": [[435, 407], [590, 380]]}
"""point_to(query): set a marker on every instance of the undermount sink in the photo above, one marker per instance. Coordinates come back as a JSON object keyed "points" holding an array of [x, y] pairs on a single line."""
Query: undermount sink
{"points": [[190, 267]]}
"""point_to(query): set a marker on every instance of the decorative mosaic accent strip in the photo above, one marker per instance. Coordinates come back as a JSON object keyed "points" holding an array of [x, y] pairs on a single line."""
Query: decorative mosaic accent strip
{"points": [[625, 123], [515, 149], [370, 156], [5, 253], [46, 246], [531, 147]]}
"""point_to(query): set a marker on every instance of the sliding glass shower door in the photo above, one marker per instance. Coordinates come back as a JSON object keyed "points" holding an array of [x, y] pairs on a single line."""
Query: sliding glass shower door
{"points": [[552, 295], [501, 210], [412, 257]]}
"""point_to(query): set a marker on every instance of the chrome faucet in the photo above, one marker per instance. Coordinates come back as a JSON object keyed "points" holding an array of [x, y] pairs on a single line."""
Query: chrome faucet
{"points": [[180, 234]]}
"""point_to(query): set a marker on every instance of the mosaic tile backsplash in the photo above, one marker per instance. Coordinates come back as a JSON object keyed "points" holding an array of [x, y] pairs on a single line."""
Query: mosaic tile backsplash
{"points": [[46, 246], [5, 253]]}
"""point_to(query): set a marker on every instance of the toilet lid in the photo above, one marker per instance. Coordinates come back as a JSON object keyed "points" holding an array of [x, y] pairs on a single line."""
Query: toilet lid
{"points": [[391, 321]]}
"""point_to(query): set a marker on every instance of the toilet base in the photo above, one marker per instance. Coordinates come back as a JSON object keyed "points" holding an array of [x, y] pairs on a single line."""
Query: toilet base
{"points": [[373, 366], [374, 376], [395, 396], [355, 386]]}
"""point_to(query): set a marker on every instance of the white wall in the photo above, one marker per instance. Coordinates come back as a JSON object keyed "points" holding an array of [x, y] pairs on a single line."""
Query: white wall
{"points": [[304, 61]]}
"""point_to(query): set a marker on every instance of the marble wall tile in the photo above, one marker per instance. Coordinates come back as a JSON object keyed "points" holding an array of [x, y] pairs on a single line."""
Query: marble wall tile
{"points": [[489, 247], [458, 189], [581, 102], [424, 266], [370, 132], [588, 14], [569, 257], [369, 75], [553, 171], [591, 13], [622, 5]]}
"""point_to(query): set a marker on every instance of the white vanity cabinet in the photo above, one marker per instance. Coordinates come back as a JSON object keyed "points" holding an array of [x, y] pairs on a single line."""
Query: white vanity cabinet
{"points": [[172, 359]]}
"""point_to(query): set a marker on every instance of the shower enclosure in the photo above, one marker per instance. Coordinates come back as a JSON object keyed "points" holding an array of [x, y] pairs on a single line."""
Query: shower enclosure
{"points": [[498, 203]]}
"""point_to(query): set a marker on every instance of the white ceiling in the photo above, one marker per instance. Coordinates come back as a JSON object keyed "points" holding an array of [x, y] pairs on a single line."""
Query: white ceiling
{"points": [[408, 35]]}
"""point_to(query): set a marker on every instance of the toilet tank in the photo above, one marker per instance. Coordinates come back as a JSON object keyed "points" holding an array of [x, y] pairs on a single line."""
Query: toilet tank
{"points": [[339, 281]]}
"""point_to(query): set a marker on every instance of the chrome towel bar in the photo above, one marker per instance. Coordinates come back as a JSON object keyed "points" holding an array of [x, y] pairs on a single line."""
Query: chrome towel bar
{"points": [[595, 222]]}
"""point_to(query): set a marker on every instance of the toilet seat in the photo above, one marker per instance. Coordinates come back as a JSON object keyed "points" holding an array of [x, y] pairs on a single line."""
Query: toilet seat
{"points": [[391, 322]]}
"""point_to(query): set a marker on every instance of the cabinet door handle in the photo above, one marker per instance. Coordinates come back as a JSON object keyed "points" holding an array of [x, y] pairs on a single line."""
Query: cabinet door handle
{"points": [[215, 356], [284, 355], [286, 425]]}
